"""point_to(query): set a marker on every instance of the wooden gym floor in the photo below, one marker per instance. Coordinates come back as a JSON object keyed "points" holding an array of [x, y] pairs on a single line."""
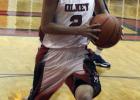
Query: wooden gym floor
{"points": [[121, 82]]}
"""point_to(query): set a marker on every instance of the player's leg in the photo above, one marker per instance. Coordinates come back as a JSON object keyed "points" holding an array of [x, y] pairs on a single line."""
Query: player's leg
{"points": [[98, 60], [82, 89], [38, 71], [86, 90], [85, 86], [92, 81], [43, 95], [36, 93]]}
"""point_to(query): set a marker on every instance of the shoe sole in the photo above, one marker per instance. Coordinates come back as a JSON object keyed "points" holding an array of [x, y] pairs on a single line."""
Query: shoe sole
{"points": [[103, 66]]}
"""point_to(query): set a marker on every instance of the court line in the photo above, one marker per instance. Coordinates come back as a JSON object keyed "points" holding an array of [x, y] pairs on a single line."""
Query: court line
{"points": [[122, 77], [18, 32], [14, 76], [104, 76]]}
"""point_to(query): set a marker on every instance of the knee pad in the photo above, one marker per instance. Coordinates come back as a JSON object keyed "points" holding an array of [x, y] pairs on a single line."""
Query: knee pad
{"points": [[97, 89]]}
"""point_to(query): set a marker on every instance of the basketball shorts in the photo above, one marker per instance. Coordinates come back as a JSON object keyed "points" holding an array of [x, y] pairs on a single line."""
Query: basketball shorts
{"points": [[73, 66]]}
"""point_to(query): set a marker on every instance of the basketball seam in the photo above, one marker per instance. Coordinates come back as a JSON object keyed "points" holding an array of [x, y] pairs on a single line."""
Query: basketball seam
{"points": [[105, 21]]}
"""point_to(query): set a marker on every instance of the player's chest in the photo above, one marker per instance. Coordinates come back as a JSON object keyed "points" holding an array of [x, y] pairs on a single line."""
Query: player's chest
{"points": [[75, 5]]}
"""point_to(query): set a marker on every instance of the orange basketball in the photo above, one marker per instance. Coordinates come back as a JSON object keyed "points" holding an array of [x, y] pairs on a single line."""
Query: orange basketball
{"points": [[111, 30]]}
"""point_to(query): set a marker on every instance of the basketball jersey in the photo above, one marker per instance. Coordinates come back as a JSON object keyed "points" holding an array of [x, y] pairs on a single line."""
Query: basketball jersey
{"points": [[70, 13]]}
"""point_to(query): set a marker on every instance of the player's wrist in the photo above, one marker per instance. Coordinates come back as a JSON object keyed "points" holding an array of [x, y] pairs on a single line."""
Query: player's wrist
{"points": [[79, 30]]}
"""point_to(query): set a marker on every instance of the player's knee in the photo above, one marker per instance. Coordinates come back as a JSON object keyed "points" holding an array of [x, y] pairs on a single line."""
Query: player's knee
{"points": [[84, 92], [85, 97]]}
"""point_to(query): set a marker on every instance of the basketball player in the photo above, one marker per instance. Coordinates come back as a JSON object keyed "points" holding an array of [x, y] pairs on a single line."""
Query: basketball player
{"points": [[63, 56], [98, 60]]}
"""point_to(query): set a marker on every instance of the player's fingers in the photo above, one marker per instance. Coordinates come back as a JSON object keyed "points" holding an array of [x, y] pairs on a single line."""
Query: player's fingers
{"points": [[122, 37], [95, 31], [90, 35], [95, 26], [122, 34], [122, 27]]}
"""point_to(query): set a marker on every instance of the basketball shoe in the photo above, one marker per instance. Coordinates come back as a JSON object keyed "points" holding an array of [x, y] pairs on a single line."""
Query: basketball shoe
{"points": [[99, 61]]}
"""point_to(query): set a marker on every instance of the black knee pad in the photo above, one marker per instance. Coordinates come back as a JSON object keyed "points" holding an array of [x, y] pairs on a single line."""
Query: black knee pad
{"points": [[97, 89], [94, 80], [96, 86]]}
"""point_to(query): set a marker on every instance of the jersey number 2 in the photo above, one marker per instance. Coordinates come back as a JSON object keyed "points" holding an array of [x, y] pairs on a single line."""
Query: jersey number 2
{"points": [[76, 20]]}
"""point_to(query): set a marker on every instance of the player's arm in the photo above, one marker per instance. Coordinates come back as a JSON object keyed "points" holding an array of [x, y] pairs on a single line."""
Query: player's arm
{"points": [[100, 7], [49, 26]]}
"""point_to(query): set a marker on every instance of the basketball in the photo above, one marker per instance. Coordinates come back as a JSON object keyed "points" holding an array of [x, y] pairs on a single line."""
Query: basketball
{"points": [[111, 30]]}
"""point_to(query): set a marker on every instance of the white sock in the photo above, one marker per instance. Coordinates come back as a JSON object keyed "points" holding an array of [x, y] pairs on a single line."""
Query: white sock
{"points": [[98, 51]]}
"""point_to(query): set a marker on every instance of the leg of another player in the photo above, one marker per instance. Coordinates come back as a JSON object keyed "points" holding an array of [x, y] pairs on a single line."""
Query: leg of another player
{"points": [[99, 61], [98, 50], [84, 92]]}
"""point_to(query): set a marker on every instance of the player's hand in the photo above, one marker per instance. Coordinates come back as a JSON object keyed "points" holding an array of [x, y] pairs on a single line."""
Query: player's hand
{"points": [[91, 31], [94, 30], [122, 34]]}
